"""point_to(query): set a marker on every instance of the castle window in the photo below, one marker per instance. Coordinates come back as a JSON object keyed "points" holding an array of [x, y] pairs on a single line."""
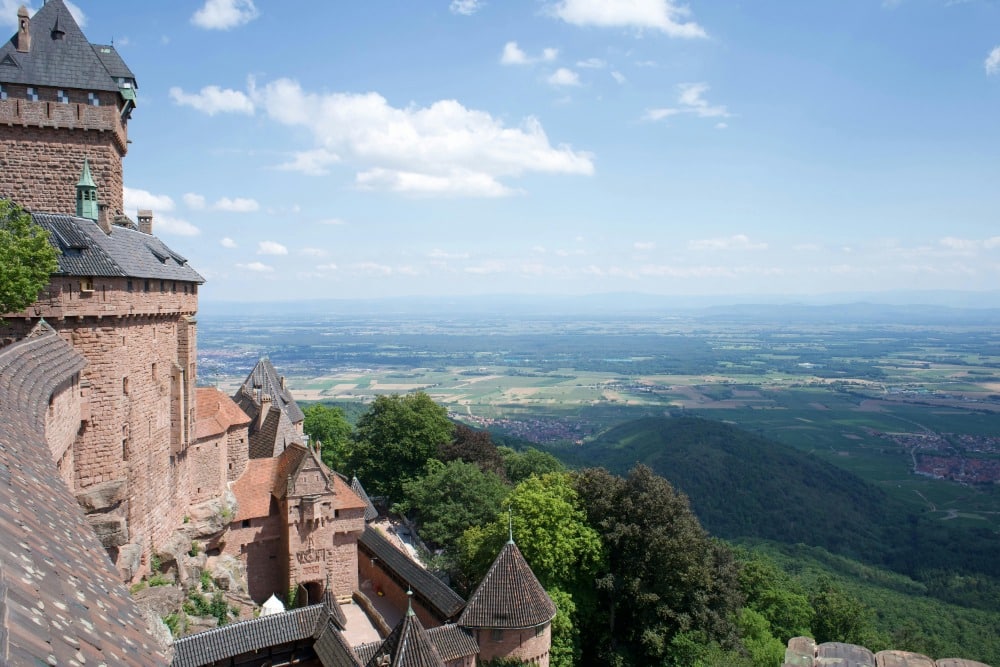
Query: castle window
{"points": [[3, 92], [194, 289], [146, 285], [32, 94], [62, 97], [173, 287], [93, 100], [246, 523], [129, 286], [125, 385], [539, 630], [496, 635], [163, 287], [153, 370]]}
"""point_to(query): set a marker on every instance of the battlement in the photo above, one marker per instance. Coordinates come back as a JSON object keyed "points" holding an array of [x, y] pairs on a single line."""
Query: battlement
{"points": [[69, 116]]}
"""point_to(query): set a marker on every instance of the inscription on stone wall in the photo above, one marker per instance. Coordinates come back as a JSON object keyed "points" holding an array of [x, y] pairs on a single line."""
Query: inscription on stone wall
{"points": [[310, 556]]}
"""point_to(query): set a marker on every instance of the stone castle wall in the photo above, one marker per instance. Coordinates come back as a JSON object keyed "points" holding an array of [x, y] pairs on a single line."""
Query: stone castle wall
{"points": [[381, 582], [62, 423], [527, 645], [325, 547], [43, 145], [258, 543]]}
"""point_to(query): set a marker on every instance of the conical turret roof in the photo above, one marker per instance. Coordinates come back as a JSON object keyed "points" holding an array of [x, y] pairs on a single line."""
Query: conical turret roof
{"points": [[408, 646], [509, 597]]}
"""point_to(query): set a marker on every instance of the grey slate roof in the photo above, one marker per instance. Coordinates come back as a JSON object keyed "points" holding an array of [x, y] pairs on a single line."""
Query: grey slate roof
{"points": [[431, 591], [408, 645], [314, 626], [87, 251], [71, 62], [60, 597], [264, 379], [453, 642], [509, 597], [370, 512]]}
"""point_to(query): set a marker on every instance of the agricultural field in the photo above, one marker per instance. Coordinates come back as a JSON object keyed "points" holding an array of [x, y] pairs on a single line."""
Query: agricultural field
{"points": [[914, 408]]}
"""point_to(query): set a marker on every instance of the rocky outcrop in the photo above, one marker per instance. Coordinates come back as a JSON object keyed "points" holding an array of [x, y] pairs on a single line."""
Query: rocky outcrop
{"points": [[210, 517], [111, 529], [102, 497]]}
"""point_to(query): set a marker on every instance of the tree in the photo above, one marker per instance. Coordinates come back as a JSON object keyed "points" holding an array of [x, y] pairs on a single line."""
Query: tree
{"points": [[451, 497], [520, 465], [776, 596], [841, 617], [473, 446], [395, 437], [27, 259], [329, 426], [663, 578]]}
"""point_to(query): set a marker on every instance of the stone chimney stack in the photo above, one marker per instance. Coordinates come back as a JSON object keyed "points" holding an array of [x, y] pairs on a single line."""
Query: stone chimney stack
{"points": [[23, 30], [282, 383], [145, 221], [104, 218], [265, 407]]}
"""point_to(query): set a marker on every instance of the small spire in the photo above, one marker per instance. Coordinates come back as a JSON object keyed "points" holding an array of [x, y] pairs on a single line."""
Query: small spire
{"points": [[409, 602], [510, 525], [86, 194]]}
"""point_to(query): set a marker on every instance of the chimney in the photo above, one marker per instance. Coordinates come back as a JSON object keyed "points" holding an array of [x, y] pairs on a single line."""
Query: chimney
{"points": [[282, 383], [145, 221], [23, 30], [265, 407], [104, 218]]}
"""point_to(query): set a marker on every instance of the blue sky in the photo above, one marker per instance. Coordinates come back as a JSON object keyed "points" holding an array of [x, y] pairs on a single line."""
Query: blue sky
{"points": [[389, 148]]}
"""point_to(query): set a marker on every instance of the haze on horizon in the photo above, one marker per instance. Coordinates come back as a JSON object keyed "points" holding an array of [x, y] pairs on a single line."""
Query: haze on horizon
{"points": [[565, 147]]}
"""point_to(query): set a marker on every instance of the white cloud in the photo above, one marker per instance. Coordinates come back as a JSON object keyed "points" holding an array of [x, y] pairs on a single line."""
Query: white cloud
{"points": [[327, 267], [191, 200], [969, 245], [644, 245], [227, 243], [224, 14], [486, 268], [212, 100], [735, 242], [689, 101], [466, 7], [136, 199], [437, 253], [311, 163], [591, 63], [258, 267], [77, 14], [444, 148], [332, 221], [271, 248], [564, 77], [721, 126], [168, 225], [992, 63], [237, 205], [618, 76], [513, 55], [662, 15], [313, 252], [371, 269]]}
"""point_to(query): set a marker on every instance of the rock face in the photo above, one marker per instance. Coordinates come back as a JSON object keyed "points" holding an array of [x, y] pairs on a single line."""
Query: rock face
{"points": [[102, 497], [129, 561], [161, 600], [111, 529], [211, 517], [228, 574]]}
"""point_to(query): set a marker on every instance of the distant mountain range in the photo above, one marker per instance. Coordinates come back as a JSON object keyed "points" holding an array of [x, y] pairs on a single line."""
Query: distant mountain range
{"points": [[902, 307]]}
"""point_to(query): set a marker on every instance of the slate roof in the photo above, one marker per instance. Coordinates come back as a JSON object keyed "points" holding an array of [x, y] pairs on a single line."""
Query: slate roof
{"points": [[61, 599], [370, 512], [509, 597], [408, 645], [70, 62], [431, 591], [315, 625], [85, 250], [264, 379]]}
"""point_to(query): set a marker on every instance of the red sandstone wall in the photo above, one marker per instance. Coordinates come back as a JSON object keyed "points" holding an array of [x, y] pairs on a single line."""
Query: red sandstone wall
{"points": [[524, 645], [62, 422], [325, 547], [391, 591], [237, 452], [206, 463], [259, 547]]}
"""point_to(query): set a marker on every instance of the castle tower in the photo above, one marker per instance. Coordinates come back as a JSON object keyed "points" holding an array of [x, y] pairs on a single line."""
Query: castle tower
{"points": [[510, 614], [62, 99]]}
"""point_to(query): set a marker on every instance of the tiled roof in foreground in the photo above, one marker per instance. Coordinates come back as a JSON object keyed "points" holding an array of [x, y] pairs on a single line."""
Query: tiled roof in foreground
{"points": [[61, 601], [509, 597], [804, 652]]}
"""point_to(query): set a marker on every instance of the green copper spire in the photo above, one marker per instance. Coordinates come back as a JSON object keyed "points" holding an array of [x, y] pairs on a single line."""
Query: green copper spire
{"points": [[86, 194]]}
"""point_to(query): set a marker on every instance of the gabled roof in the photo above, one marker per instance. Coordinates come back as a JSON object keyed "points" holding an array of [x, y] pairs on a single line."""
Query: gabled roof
{"points": [[407, 646], [509, 597], [370, 512], [253, 489], [265, 380], [61, 599], [433, 593], [85, 250], [70, 62], [217, 413]]}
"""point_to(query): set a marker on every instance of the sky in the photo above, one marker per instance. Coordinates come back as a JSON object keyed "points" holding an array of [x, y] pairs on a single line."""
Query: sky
{"points": [[393, 148]]}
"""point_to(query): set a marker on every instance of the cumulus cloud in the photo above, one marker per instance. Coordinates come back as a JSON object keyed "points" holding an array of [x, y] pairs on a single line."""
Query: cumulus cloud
{"points": [[212, 100], [224, 14], [690, 100], [663, 15], [513, 55], [992, 63], [618, 76], [271, 248], [444, 148], [466, 7], [258, 267], [564, 77], [735, 242], [237, 205], [311, 163], [136, 199], [167, 225], [227, 243]]}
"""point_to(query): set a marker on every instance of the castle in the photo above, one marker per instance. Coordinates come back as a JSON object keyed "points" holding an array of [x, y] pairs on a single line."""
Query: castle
{"points": [[113, 460]]}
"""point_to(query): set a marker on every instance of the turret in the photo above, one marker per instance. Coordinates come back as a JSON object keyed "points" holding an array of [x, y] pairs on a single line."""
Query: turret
{"points": [[86, 194]]}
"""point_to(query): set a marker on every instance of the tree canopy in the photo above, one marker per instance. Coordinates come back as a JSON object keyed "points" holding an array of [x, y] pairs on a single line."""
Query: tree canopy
{"points": [[329, 426], [474, 446], [27, 259]]}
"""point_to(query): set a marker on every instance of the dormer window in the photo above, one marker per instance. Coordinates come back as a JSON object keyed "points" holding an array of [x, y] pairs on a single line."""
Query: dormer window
{"points": [[32, 94], [62, 97], [93, 100], [3, 92]]}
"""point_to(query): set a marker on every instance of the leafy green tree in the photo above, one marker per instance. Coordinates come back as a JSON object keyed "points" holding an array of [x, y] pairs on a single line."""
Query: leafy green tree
{"points": [[520, 465], [764, 649], [394, 438], [329, 426], [474, 446], [565, 649], [663, 578], [840, 617], [776, 596], [27, 259], [451, 497], [550, 528]]}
